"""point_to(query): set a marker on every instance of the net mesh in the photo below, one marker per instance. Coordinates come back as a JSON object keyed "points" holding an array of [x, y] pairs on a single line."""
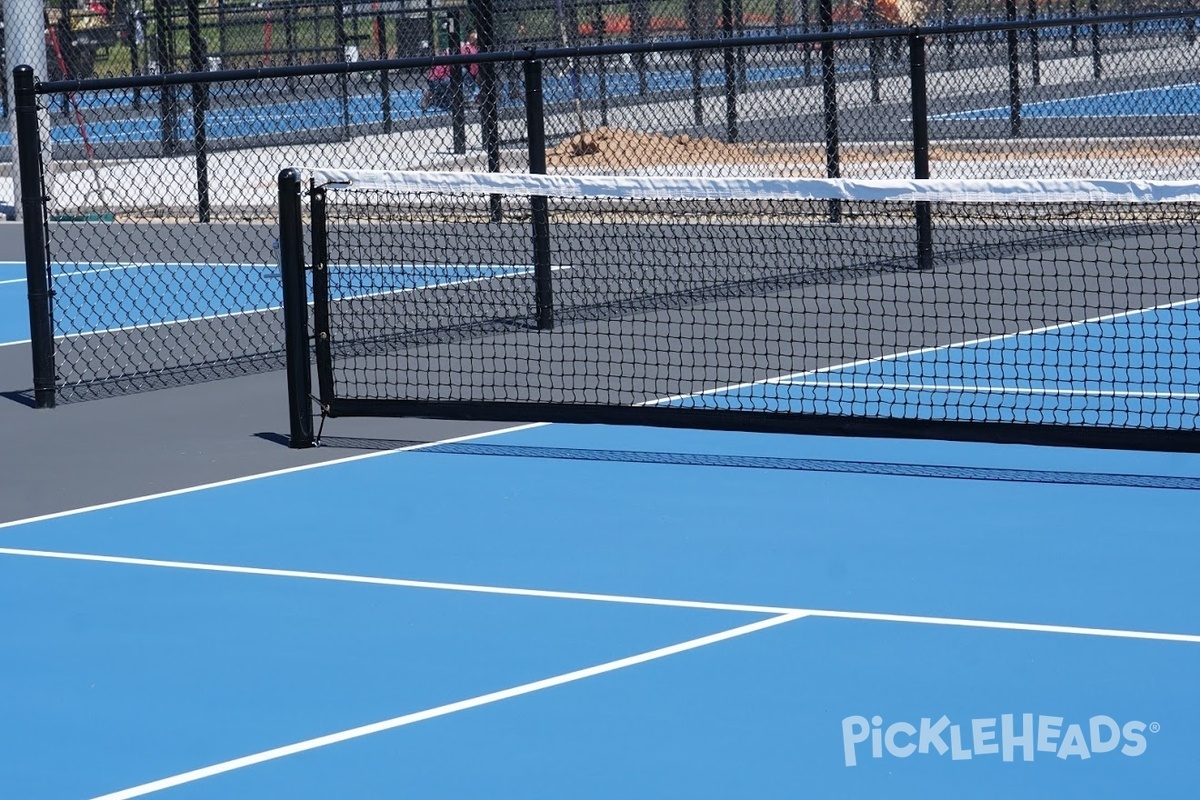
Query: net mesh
{"points": [[1044, 303]]}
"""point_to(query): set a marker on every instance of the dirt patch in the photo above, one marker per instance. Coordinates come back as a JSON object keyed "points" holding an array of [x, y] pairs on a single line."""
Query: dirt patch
{"points": [[619, 150], [614, 148]]}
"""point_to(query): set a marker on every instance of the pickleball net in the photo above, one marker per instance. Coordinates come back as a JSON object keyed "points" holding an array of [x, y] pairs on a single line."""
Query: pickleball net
{"points": [[1056, 312]]}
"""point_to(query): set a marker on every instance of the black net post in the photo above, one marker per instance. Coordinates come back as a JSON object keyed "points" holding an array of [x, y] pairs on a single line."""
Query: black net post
{"points": [[33, 214], [318, 211], [539, 209], [295, 311], [920, 113]]}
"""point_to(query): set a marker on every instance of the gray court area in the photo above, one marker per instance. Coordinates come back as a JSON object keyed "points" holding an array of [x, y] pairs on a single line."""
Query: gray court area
{"points": [[124, 446]]}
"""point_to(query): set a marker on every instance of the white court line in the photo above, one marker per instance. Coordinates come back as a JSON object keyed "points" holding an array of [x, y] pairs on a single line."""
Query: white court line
{"points": [[338, 577], [984, 389], [259, 475], [12, 281], [248, 312], [449, 708], [145, 326], [131, 265], [923, 350]]}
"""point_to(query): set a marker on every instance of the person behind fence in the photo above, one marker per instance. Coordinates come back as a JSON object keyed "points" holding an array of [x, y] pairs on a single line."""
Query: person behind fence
{"points": [[438, 93], [469, 48], [437, 87]]}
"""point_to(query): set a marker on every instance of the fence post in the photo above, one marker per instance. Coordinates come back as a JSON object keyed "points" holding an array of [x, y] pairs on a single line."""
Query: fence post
{"points": [[197, 62], [458, 101], [483, 12], [874, 51], [339, 20], [833, 162], [385, 75], [729, 64], [33, 216], [601, 66], [295, 311], [920, 112], [1014, 71], [164, 37], [535, 121], [1094, 10], [1035, 56]]}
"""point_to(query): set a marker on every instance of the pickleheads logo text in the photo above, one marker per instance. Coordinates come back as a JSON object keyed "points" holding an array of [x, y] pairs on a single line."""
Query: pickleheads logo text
{"points": [[1010, 737]]}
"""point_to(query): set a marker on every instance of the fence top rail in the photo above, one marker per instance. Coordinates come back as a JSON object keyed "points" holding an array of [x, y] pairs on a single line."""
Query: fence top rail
{"points": [[595, 51]]}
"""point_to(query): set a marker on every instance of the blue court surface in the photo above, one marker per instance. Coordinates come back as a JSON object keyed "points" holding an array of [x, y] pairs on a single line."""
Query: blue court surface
{"points": [[595, 612], [250, 117], [14, 315], [1162, 101], [565, 611], [156, 293]]}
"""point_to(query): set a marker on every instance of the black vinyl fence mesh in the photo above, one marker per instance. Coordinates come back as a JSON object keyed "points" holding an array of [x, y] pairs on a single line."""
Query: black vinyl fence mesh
{"points": [[160, 196]]}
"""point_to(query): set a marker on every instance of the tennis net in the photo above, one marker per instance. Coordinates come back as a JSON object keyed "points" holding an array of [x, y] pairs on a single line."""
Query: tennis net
{"points": [[1057, 312]]}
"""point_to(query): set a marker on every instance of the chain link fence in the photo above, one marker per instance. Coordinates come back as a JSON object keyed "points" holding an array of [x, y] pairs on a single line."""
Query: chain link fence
{"points": [[107, 38], [160, 194]]}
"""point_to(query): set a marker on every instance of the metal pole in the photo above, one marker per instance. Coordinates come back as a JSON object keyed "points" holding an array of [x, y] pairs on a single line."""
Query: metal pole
{"points": [[37, 266], [169, 100], [197, 62], [920, 111], [134, 31], [833, 166], [729, 63], [601, 66], [1014, 71], [535, 120], [458, 101], [484, 14], [295, 311], [385, 75], [1073, 12], [874, 51], [343, 56], [696, 57], [1094, 9], [952, 39], [1034, 55]]}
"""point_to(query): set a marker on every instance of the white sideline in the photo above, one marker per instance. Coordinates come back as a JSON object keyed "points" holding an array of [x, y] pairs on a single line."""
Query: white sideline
{"points": [[1030, 627], [256, 476], [444, 710]]}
